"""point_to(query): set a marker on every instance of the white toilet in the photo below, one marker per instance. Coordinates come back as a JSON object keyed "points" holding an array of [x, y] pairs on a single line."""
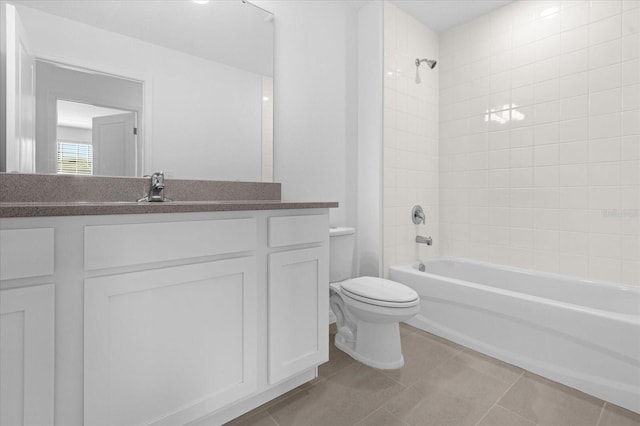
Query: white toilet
{"points": [[367, 309]]}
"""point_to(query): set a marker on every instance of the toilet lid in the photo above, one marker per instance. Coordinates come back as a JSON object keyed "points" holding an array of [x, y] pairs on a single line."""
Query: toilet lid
{"points": [[380, 289]]}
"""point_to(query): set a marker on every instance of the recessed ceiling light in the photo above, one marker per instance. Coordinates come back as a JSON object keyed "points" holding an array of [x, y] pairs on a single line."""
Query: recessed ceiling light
{"points": [[200, 1]]}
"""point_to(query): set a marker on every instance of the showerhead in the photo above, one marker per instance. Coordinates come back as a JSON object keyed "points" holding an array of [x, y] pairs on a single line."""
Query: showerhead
{"points": [[431, 63]]}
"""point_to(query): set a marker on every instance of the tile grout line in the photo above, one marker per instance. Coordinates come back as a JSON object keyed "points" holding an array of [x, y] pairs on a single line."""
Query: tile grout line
{"points": [[435, 367], [394, 416], [381, 408], [367, 416], [271, 417], [604, 404], [470, 351], [516, 414], [500, 397]]}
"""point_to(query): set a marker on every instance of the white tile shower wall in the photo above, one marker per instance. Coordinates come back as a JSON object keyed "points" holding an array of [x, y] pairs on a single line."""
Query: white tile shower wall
{"points": [[410, 147], [540, 138]]}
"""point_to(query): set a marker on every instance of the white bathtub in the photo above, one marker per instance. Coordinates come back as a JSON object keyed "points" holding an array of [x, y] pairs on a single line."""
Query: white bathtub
{"points": [[585, 334]]}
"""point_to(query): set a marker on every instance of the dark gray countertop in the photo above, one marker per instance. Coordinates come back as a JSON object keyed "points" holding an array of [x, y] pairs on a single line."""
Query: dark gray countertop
{"points": [[34, 195], [37, 209]]}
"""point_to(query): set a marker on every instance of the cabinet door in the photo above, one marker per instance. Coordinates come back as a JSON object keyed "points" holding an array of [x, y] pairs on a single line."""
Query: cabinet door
{"points": [[26, 355], [167, 346], [298, 306]]}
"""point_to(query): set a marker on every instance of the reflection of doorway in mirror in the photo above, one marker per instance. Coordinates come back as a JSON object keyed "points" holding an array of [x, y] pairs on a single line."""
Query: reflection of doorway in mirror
{"points": [[267, 129], [96, 140], [81, 99]]}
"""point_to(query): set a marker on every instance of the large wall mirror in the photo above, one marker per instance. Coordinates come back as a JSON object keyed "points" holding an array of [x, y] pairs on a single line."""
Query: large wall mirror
{"points": [[124, 88]]}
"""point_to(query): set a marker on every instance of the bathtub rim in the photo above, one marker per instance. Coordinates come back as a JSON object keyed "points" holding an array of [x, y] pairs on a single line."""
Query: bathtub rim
{"points": [[634, 319]]}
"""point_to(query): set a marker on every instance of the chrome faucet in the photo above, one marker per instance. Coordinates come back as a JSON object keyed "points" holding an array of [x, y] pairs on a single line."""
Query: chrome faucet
{"points": [[156, 188], [424, 240]]}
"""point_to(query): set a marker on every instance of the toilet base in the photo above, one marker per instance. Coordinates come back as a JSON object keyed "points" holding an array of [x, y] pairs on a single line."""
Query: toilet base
{"points": [[376, 345]]}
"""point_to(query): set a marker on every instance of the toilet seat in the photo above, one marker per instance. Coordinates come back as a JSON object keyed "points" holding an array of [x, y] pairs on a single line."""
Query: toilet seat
{"points": [[380, 292]]}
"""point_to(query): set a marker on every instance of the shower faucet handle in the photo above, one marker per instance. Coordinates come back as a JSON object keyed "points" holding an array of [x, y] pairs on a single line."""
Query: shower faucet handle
{"points": [[417, 215]]}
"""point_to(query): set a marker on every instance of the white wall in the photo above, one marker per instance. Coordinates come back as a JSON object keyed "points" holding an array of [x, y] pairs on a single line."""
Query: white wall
{"points": [[74, 134], [315, 127], [315, 91], [370, 119], [410, 138], [206, 116], [551, 179]]}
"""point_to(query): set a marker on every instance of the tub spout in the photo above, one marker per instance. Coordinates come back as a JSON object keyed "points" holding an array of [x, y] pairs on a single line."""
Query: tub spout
{"points": [[424, 240]]}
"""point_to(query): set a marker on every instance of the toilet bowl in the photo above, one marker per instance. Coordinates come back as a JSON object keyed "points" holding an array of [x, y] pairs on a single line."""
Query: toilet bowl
{"points": [[368, 310]]}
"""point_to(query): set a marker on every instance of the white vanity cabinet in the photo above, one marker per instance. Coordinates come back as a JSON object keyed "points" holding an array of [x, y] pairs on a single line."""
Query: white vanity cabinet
{"points": [[297, 289], [26, 356], [27, 327], [166, 319], [168, 345]]}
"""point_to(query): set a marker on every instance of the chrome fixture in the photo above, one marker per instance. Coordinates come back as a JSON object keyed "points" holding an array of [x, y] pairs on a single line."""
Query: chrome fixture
{"points": [[156, 188], [424, 240], [417, 215], [431, 63], [422, 267]]}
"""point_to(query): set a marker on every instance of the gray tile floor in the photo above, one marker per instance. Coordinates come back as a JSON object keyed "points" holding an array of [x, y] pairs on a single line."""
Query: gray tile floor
{"points": [[441, 384]]}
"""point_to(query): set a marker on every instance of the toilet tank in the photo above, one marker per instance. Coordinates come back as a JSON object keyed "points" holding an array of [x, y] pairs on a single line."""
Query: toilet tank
{"points": [[341, 244]]}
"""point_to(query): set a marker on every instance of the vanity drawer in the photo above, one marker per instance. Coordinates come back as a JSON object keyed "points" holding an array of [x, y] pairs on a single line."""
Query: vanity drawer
{"points": [[26, 253], [292, 230], [109, 246]]}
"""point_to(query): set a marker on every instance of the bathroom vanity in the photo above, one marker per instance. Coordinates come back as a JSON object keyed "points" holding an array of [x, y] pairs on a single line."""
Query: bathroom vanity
{"points": [[115, 314]]}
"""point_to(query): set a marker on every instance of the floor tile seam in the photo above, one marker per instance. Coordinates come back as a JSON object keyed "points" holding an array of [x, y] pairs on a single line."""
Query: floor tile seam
{"points": [[368, 415], [441, 341], [335, 372], [477, 370], [411, 410], [565, 390], [497, 402], [517, 414], [442, 364], [443, 390], [604, 404], [376, 371], [384, 408], [272, 418], [427, 374], [383, 374], [449, 358]]}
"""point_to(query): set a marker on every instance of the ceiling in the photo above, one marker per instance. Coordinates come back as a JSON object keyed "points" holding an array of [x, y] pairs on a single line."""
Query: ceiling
{"points": [[440, 15], [75, 114]]}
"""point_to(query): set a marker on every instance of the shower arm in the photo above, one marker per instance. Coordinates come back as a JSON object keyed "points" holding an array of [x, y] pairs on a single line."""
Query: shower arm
{"points": [[431, 63]]}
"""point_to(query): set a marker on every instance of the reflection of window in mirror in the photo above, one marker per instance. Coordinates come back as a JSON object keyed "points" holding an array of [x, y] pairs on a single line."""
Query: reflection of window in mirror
{"points": [[75, 158], [81, 127]]}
